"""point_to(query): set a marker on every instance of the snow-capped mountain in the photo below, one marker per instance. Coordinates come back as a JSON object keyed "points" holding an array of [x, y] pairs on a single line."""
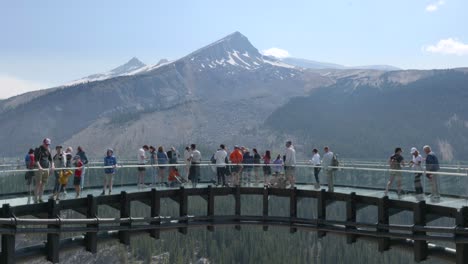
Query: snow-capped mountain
{"points": [[227, 85], [132, 65]]}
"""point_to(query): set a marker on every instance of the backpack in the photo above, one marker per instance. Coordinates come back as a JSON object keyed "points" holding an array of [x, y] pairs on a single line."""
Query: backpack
{"points": [[335, 162], [27, 160], [213, 160]]}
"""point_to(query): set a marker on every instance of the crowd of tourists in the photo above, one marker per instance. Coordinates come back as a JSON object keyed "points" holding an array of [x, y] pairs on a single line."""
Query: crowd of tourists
{"points": [[237, 167]]}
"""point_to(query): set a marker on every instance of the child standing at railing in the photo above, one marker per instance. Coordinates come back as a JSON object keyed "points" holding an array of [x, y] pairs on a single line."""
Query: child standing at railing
{"points": [[78, 171]]}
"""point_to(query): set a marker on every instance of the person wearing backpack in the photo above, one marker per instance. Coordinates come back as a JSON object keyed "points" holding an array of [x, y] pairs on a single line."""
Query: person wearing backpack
{"points": [[44, 166], [328, 161], [432, 165], [396, 162]]}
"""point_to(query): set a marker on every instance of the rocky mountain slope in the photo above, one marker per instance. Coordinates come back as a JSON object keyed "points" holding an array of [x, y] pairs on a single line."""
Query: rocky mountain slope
{"points": [[368, 115], [217, 93]]}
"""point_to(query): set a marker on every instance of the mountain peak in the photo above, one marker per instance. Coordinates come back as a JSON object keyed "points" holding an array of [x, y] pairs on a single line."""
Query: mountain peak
{"points": [[218, 50], [133, 64]]}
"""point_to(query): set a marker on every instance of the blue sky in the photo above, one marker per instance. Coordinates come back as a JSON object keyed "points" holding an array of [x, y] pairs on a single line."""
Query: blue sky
{"points": [[51, 42]]}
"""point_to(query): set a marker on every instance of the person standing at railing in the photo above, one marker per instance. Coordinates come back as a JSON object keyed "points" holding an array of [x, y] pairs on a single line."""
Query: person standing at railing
{"points": [[30, 163], [187, 162], [44, 165], [153, 160], [256, 161], [109, 160], [59, 162], [432, 165], [236, 158], [290, 163], [142, 170], [266, 168], [84, 159], [315, 161], [162, 160], [195, 160], [247, 160], [278, 165], [396, 162], [78, 164], [220, 158], [416, 164], [327, 161]]}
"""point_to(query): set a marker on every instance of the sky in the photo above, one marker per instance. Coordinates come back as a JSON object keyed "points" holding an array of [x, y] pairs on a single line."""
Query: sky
{"points": [[51, 42]]}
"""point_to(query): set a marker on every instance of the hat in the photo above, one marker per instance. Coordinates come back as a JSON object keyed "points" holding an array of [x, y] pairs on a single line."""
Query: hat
{"points": [[413, 150], [46, 141]]}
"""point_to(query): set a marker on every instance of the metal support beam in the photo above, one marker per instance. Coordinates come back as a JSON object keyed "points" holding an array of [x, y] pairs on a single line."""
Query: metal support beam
{"points": [[211, 206], [237, 212], [8, 241], [91, 237], [183, 208], [462, 249], [383, 218], [53, 240], [419, 218], [293, 208], [351, 212], [321, 210], [155, 211], [265, 207], [124, 236]]}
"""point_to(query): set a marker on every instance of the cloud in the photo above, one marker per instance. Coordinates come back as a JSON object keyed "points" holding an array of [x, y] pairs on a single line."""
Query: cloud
{"points": [[11, 86], [435, 6], [448, 46], [276, 52]]}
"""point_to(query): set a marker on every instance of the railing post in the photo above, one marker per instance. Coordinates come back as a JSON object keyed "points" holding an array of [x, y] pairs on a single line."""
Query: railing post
{"points": [[155, 212], [53, 239], [8, 240], [419, 219], [124, 235], [293, 208], [321, 211], [351, 213], [238, 206], [211, 206], [91, 237], [265, 207], [462, 248], [383, 219], [183, 209]]}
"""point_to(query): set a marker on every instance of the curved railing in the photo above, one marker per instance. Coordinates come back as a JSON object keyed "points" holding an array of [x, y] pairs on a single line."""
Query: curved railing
{"points": [[414, 237]]}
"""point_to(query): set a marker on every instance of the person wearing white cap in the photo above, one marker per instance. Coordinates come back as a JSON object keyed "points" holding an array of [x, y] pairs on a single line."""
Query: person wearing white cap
{"points": [[416, 165], [43, 164]]}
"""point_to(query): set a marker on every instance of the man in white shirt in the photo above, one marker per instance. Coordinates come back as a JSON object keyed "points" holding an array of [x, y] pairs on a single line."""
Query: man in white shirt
{"points": [[416, 165], [315, 161], [195, 160], [141, 161], [220, 157], [326, 163], [290, 163]]}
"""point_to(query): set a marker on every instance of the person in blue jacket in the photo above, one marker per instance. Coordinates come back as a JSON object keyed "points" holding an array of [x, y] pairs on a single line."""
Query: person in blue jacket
{"points": [[109, 161]]}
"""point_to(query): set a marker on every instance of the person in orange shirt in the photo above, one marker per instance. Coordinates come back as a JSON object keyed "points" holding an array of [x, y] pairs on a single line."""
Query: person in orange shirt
{"points": [[173, 177], [236, 158]]}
